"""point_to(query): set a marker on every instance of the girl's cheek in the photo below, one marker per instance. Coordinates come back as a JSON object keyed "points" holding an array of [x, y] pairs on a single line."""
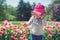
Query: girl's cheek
{"points": [[42, 17]]}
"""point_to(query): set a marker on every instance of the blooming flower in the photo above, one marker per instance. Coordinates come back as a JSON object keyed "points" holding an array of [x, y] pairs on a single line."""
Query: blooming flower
{"points": [[1, 32], [15, 33], [49, 31], [3, 28], [12, 37], [15, 38], [6, 22], [15, 27], [21, 38]]}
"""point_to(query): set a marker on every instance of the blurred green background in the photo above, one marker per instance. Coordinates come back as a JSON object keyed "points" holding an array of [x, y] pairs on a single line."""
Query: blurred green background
{"points": [[21, 11]]}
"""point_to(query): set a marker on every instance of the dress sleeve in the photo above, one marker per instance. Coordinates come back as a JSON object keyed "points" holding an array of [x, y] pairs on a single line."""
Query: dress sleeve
{"points": [[44, 22], [30, 21]]}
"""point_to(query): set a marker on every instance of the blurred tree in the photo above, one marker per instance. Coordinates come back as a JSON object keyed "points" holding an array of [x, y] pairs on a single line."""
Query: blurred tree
{"points": [[6, 12], [23, 11], [33, 5], [27, 12], [55, 8], [2, 2], [10, 13], [11, 10], [2, 14]]}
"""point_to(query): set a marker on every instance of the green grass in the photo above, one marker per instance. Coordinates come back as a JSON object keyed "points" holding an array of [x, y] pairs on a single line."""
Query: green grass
{"points": [[18, 23], [1, 22]]}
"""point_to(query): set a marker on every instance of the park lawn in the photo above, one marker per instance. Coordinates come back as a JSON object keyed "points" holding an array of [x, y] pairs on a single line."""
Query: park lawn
{"points": [[15, 23], [18, 23]]}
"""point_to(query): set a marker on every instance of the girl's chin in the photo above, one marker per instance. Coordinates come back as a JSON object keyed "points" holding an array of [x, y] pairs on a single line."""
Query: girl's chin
{"points": [[38, 18]]}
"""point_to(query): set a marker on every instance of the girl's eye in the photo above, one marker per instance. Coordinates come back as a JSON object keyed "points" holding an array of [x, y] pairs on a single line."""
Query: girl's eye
{"points": [[41, 15]]}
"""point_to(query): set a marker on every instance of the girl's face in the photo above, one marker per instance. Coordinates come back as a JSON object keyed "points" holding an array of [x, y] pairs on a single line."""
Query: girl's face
{"points": [[39, 15]]}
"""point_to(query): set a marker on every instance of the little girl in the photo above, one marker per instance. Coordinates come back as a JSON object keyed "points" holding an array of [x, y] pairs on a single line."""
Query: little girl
{"points": [[37, 22]]}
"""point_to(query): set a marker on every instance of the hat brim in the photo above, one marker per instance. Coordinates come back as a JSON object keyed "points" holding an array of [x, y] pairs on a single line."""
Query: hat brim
{"points": [[36, 12]]}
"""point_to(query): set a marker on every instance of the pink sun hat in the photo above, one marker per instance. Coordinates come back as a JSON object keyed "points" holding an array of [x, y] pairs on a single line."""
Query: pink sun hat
{"points": [[39, 9]]}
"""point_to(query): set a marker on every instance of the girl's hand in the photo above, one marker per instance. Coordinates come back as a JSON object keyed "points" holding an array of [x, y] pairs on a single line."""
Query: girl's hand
{"points": [[24, 24]]}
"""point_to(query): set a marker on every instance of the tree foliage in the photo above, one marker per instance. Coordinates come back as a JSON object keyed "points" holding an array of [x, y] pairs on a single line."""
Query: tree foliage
{"points": [[6, 11], [23, 11], [55, 8]]}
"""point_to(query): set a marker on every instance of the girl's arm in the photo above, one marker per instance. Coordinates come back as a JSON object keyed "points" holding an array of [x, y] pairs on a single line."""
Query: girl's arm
{"points": [[30, 21]]}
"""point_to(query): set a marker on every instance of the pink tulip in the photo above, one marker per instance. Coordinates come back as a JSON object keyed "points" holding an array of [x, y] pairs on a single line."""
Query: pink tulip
{"points": [[29, 28], [54, 27], [15, 33], [49, 31], [58, 31], [24, 31], [58, 26], [9, 26], [5, 32], [3, 28], [48, 27], [28, 33], [49, 35], [6, 22], [21, 38], [57, 23], [15, 27], [24, 36], [20, 32], [17, 30]]}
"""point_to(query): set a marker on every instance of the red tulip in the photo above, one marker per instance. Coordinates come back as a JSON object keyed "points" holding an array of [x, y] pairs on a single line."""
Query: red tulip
{"points": [[1, 32], [15, 38], [3, 28], [15, 33], [12, 37]]}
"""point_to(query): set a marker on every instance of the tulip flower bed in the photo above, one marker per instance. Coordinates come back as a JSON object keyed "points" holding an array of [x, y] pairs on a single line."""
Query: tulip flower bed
{"points": [[52, 32], [10, 32]]}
